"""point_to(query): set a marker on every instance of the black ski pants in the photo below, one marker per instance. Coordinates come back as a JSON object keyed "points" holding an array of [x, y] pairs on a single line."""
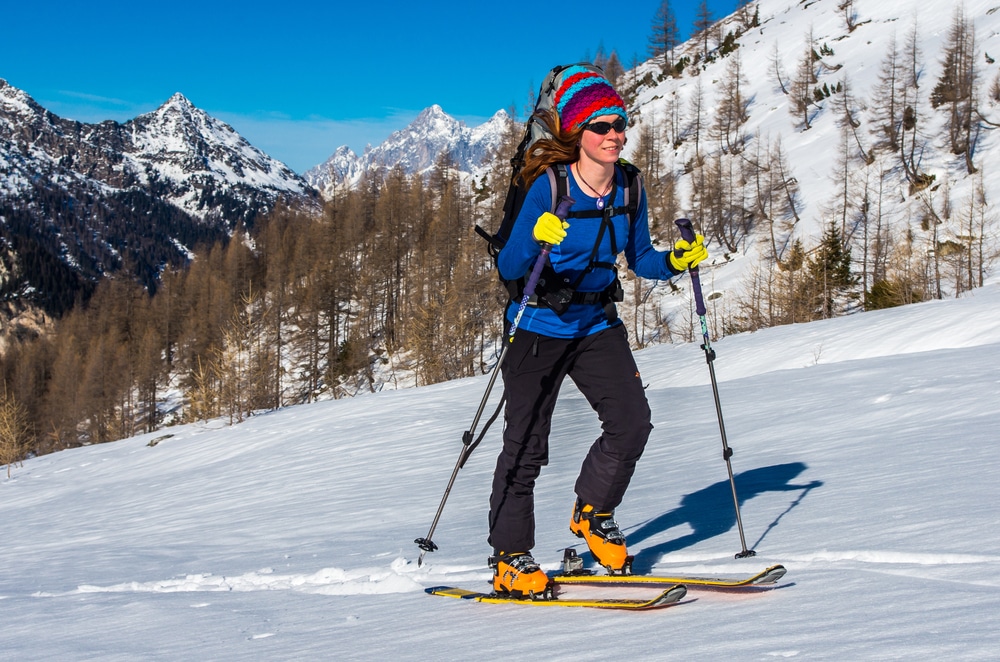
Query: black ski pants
{"points": [[604, 370]]}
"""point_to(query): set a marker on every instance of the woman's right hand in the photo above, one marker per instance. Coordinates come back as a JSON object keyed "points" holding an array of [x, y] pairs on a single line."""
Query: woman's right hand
{"points": [[549, 229]]}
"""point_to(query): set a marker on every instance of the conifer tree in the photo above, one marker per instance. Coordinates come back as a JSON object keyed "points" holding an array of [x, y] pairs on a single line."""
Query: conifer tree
{"points": [[850, 14], [776, 198], [613, 69], [911, 138], [887, 107], [703, 23], [665, 36], [779, 72], [731, 111], [747, 18], [696, 119], [831, 280], [956, 88], [801, 89]]}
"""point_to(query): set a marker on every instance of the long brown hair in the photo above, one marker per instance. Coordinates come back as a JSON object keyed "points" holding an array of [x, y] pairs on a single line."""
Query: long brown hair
{"points": [[563, 147]]}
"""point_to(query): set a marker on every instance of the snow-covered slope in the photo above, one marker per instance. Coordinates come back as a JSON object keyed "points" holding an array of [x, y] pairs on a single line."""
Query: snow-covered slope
{"points": [[852, 55], [864, 463]]}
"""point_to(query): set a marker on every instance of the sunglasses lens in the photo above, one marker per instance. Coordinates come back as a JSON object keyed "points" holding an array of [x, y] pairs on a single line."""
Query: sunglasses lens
{"points": [[604, 128]]}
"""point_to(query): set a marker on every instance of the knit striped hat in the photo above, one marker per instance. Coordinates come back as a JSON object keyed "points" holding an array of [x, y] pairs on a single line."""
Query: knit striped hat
{"points": [[583, 95]]}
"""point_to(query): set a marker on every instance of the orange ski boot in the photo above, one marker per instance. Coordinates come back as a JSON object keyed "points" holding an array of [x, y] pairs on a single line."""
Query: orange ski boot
{"points": [[604, 538], [517, 575]]}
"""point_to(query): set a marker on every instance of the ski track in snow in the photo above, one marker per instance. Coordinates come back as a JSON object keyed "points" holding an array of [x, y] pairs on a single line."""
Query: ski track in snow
{"points": [[402, 576], [328, 581]]}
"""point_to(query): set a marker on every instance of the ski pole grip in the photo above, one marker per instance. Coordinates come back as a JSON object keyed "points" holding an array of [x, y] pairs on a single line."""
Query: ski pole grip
{"points": [[687, 234], [565, 203]]}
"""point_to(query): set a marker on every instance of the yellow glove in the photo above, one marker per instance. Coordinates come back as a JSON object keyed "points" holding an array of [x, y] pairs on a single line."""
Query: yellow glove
{"points": [[687, 254], [549, 229]]}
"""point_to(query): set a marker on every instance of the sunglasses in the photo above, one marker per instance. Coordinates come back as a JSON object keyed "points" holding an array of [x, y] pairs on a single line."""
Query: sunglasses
{"points": [[604, 128]]}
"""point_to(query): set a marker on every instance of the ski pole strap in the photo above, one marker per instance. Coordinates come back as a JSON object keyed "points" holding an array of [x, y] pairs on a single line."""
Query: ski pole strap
{"points": [[471, 445], [687, 234]]}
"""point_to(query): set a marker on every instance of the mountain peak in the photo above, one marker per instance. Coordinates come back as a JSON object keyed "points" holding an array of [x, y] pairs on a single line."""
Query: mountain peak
{"points": [[417, 147], [435, 116], [17, 100], [433, 111], [178, 100]]}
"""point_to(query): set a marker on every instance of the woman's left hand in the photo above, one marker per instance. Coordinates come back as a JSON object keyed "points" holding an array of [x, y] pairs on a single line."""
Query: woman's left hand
{"points": [[687, 254]]}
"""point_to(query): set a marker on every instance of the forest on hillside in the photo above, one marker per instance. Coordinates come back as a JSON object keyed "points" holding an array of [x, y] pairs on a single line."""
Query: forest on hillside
{"points": [[391, 283]]}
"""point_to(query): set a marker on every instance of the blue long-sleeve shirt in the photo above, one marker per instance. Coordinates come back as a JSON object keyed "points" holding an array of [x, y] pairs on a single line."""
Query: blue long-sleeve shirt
{"points": [[571, 257]]}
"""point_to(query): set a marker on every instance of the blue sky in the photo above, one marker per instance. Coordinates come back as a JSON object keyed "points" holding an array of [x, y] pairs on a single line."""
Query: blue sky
{"points": [[300, 79]]}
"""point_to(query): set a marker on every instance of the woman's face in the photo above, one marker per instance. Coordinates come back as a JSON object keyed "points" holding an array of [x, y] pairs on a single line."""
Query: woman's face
{"points": [[605, 148]]}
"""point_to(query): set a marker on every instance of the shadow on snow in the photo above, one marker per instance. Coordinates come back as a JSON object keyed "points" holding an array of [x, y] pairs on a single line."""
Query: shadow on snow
{"points": [[709, 512]]}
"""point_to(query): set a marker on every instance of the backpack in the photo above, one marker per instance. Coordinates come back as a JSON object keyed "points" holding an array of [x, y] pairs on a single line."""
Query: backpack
{"points": [[551, 291]]}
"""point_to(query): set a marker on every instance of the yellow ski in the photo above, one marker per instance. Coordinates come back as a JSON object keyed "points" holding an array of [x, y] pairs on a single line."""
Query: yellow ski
{"points": [[767, 577], [668, 597]]}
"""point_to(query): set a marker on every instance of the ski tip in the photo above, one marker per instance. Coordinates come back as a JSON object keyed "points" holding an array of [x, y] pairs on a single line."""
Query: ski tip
{"points": [[676, 593], [771, 575], [669, 597]]}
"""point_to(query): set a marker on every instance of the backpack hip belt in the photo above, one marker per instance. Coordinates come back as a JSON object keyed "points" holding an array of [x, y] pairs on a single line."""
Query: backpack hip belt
{"points": [[559, 299]]}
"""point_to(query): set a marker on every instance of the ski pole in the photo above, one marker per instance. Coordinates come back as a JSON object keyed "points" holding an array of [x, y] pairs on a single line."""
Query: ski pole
{"points": [[687, 233], [468, 445]]}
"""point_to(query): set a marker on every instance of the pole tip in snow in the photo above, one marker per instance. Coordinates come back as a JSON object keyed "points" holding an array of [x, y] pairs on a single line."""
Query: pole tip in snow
{"points": [[426, 544]]}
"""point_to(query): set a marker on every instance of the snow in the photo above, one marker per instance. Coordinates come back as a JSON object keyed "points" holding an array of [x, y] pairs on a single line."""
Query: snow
{"points": [[864, 461], [864, 457]]}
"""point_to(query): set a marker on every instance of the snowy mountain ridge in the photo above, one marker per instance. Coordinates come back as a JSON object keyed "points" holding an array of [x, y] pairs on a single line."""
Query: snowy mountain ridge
{"points": [[178, 140], [416, 148], [177, 145], [82, 201]]}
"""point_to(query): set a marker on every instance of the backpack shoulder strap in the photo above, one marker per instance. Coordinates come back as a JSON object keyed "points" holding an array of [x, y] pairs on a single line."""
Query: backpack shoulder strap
{"points": [[558, 183], [633, 188]]}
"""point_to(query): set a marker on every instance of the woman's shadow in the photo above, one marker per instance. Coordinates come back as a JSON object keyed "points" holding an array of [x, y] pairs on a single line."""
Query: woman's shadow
{"points": [[710, 512]]}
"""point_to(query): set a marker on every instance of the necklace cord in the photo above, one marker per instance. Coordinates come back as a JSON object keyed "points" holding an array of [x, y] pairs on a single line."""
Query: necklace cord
{"points": [[599, 195]]}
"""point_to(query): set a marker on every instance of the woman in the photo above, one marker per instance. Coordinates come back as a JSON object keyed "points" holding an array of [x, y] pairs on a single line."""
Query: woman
{"points": [[582, 341]]}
